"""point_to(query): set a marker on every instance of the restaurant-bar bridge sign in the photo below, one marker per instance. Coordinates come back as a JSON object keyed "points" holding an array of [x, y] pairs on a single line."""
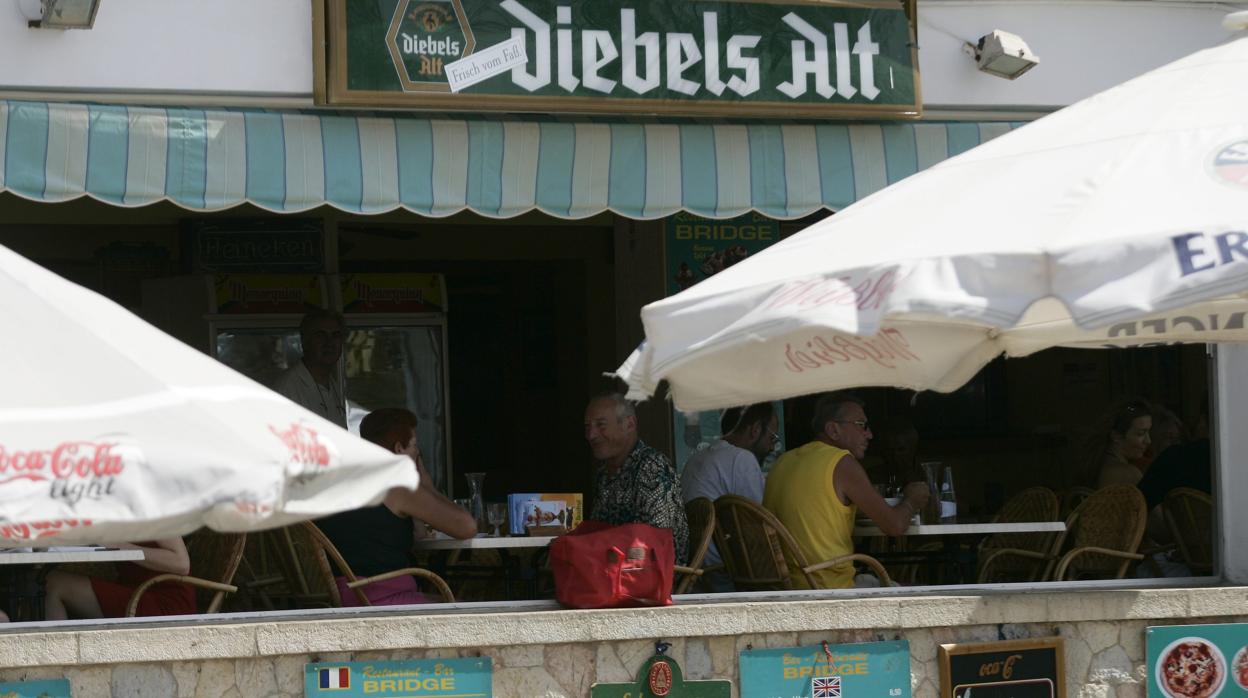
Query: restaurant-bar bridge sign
{"points": [[736, 58]]}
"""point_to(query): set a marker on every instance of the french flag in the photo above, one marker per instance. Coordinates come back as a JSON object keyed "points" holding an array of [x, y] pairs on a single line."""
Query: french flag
{"points": [[335, 678]]}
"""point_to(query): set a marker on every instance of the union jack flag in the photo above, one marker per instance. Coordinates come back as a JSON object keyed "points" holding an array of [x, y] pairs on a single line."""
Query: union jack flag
{"points": [[829, 687]]}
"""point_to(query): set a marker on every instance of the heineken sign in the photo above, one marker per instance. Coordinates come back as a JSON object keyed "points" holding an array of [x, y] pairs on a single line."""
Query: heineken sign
{"points": [[738, 58]]}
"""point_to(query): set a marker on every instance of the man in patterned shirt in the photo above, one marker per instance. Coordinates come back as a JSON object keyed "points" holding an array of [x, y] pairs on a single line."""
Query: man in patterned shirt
{"points": [[636, 484]]}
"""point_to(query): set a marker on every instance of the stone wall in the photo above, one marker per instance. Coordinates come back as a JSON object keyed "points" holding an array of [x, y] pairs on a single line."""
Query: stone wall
{"points": [[1105, 654]]}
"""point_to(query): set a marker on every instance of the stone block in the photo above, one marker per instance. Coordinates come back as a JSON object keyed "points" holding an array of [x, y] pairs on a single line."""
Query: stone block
{"points": [[1099, 635], [215, 679], [698, 665], [255, 677], [288, 670], [517, 655], [572, 666], [1218, 601], [89, 681], [607, 665], [38, 649], [1111, 666], [528, 682], [142, 680], [187, 643], [723, 657]]}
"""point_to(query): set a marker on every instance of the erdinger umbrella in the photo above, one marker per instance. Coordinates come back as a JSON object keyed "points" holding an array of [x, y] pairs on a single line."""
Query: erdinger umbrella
{"points": [[113, 431], [1121, 220]]}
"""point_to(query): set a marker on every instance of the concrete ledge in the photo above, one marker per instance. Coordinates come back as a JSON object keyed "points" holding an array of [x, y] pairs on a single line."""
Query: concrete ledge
{"points": [[217, 637]]}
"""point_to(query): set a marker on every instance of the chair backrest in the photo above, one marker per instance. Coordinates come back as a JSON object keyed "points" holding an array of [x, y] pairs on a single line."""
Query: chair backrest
{"points": [[1189, 516], [1030, 505], [753, 544], [701, 515], [1072, 497], [323, 552], [215, 557], [1112, 517]]}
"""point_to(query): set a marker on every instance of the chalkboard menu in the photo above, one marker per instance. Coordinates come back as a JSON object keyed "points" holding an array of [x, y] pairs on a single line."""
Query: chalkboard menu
{"points": [[1032, 668]]}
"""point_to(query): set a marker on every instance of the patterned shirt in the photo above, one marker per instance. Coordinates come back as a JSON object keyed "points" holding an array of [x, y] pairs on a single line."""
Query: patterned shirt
{"points": [[645, 489]]}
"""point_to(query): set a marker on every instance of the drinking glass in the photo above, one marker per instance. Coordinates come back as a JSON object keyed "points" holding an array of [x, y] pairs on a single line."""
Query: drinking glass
{"points": [[496, 514]]}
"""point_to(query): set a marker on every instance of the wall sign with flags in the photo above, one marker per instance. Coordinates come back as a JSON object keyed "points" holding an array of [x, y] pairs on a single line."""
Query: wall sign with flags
{"points": [[827, 671], [801, 58], [412, 678]]}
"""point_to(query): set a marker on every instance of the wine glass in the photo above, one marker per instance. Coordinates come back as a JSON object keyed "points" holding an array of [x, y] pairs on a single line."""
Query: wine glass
{"points": [[496, 515]]}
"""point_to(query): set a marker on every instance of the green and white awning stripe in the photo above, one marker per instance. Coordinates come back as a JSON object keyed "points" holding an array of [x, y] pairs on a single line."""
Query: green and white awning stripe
{"points": [[209, 160]]}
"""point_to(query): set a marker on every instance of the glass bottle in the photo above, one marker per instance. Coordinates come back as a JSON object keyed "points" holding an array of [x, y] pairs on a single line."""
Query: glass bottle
{"points": [[948, 499], [476, 502]]}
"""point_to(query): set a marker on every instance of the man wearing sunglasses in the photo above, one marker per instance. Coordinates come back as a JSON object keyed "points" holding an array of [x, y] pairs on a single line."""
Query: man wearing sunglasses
{"points": [[817, 490]]}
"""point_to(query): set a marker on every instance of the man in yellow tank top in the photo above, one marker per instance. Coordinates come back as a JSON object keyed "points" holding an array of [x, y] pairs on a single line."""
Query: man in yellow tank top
{"points": [[816, 490]]}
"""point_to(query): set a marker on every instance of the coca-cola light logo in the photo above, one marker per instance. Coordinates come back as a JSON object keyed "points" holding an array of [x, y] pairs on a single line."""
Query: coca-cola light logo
{"points": [[74, 470], [34, 530], [306, 446]]}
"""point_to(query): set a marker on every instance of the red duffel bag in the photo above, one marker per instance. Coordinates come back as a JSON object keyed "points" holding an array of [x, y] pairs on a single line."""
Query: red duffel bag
{"points": [[597, 565]]}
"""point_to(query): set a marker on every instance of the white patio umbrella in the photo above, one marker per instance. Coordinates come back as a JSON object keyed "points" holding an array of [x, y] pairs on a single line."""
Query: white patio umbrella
{"points": [[112, 431], [1121, 220]]}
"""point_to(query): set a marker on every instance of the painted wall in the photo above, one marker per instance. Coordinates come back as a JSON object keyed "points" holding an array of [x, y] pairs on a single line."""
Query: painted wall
{"points": [[264, 49]]}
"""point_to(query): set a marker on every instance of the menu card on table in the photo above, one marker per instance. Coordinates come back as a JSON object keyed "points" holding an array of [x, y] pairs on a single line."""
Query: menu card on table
{"points": [[544, 513]]}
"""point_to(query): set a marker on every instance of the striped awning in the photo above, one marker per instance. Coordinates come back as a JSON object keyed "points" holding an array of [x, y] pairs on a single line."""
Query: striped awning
{"points": [[209, 160]]}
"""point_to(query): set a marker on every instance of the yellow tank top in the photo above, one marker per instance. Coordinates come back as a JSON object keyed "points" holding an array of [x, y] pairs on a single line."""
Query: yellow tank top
{"points": [[801, 494]]}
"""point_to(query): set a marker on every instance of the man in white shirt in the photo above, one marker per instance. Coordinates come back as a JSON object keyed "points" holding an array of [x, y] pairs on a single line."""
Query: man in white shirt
{"points": [[315, 382], [732, 465]]}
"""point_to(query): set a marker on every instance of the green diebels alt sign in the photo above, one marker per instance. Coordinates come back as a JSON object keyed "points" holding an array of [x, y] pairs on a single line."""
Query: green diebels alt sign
{"points": [[736, 58]]}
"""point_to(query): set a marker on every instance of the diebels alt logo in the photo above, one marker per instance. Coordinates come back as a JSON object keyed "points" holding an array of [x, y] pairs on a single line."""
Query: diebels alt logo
{"points": [[423, 37]]}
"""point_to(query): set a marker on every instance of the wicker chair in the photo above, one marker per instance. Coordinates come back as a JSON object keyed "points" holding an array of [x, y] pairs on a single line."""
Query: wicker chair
{"points": [[1101, 538], [325, 552], [1032, 504], [754, 545], [214, 560], [701, 515], [276, 571], [1072, 497], [1189, 517]]}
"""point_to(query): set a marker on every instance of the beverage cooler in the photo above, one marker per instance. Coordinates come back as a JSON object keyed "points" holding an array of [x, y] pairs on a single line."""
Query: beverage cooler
{"points": [[394, 352]]}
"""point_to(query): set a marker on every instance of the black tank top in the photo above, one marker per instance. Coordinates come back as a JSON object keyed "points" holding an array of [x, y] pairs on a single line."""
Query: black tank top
{"points": [[372, 540]]}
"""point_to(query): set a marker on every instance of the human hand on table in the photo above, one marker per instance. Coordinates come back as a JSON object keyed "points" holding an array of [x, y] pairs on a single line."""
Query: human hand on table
{"points": [[916, 495]]}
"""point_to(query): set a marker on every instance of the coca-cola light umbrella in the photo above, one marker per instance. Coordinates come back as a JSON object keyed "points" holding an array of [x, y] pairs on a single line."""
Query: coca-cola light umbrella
{"points": [[1121, 220], [112, 431]]}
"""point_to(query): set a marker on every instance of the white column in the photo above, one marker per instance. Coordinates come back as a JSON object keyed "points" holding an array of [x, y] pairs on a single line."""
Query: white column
{"points": [[1230, 409]]}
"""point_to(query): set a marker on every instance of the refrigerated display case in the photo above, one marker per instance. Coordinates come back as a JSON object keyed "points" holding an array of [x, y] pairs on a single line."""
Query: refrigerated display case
{"points": [[394, 354]]}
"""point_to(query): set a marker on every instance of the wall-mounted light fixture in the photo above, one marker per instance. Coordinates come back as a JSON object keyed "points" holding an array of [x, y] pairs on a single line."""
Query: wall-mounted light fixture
{"points": [[1002, 54], [61, 14]]}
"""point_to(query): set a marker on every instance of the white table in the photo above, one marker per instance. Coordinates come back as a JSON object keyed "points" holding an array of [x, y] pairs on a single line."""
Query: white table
{"points": [[68, 556], [483, 543], [871, 530]]}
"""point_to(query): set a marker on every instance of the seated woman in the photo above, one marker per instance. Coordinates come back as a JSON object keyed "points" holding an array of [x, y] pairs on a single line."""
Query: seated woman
{"points": [[93, 597], [1121, 443], [379, 539]]}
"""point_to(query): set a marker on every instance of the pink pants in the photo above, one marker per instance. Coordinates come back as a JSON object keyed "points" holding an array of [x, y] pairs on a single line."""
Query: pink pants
{"points": [[399, 591]]}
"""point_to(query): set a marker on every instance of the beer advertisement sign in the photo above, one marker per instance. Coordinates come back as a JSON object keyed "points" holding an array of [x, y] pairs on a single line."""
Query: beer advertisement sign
{"points": [[738, 58]]}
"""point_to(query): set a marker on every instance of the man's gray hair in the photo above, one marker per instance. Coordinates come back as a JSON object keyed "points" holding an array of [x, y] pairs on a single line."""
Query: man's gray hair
{"points": [[623, 406], [830, 407]]}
